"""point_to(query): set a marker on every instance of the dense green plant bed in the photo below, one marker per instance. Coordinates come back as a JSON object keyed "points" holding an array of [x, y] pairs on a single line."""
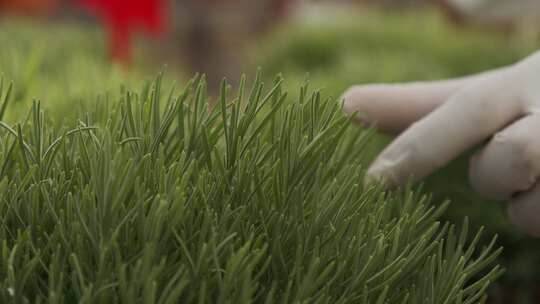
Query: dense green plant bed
{"points": [[373, 46], [255, 199]]}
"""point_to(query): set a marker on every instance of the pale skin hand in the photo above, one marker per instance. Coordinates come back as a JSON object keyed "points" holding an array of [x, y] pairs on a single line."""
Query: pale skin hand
{"points": [[437, 121]]}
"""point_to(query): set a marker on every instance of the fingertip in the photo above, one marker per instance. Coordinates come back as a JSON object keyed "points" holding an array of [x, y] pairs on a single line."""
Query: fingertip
{"points": [[355, 105], [378, 105], [380, 174], [372, 178]]}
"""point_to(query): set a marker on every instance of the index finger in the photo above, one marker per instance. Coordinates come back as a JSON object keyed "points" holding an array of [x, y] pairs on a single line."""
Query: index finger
{"points": [[467, 118], [394, 107]]}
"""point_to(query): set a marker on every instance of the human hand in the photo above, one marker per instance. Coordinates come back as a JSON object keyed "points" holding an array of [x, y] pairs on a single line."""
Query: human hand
{"points": [[437, 121]]}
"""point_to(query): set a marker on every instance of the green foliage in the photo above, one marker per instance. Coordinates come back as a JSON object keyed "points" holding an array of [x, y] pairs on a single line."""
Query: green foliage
{"points": [[255, 199], [371, 46]]}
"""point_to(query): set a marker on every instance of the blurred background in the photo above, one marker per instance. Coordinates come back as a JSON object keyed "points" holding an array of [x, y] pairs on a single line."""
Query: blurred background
{"points": [[68, 53]]}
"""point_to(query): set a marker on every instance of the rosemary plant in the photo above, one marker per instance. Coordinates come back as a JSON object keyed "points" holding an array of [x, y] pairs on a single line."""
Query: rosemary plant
{"points": [[162, 198]]}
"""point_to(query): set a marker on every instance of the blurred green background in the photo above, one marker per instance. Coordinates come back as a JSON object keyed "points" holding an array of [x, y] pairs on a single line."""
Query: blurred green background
{"points": [[64, 63]]}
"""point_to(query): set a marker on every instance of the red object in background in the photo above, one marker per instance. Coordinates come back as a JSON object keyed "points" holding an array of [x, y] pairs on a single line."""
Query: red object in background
{"points": [[124, 17]]}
